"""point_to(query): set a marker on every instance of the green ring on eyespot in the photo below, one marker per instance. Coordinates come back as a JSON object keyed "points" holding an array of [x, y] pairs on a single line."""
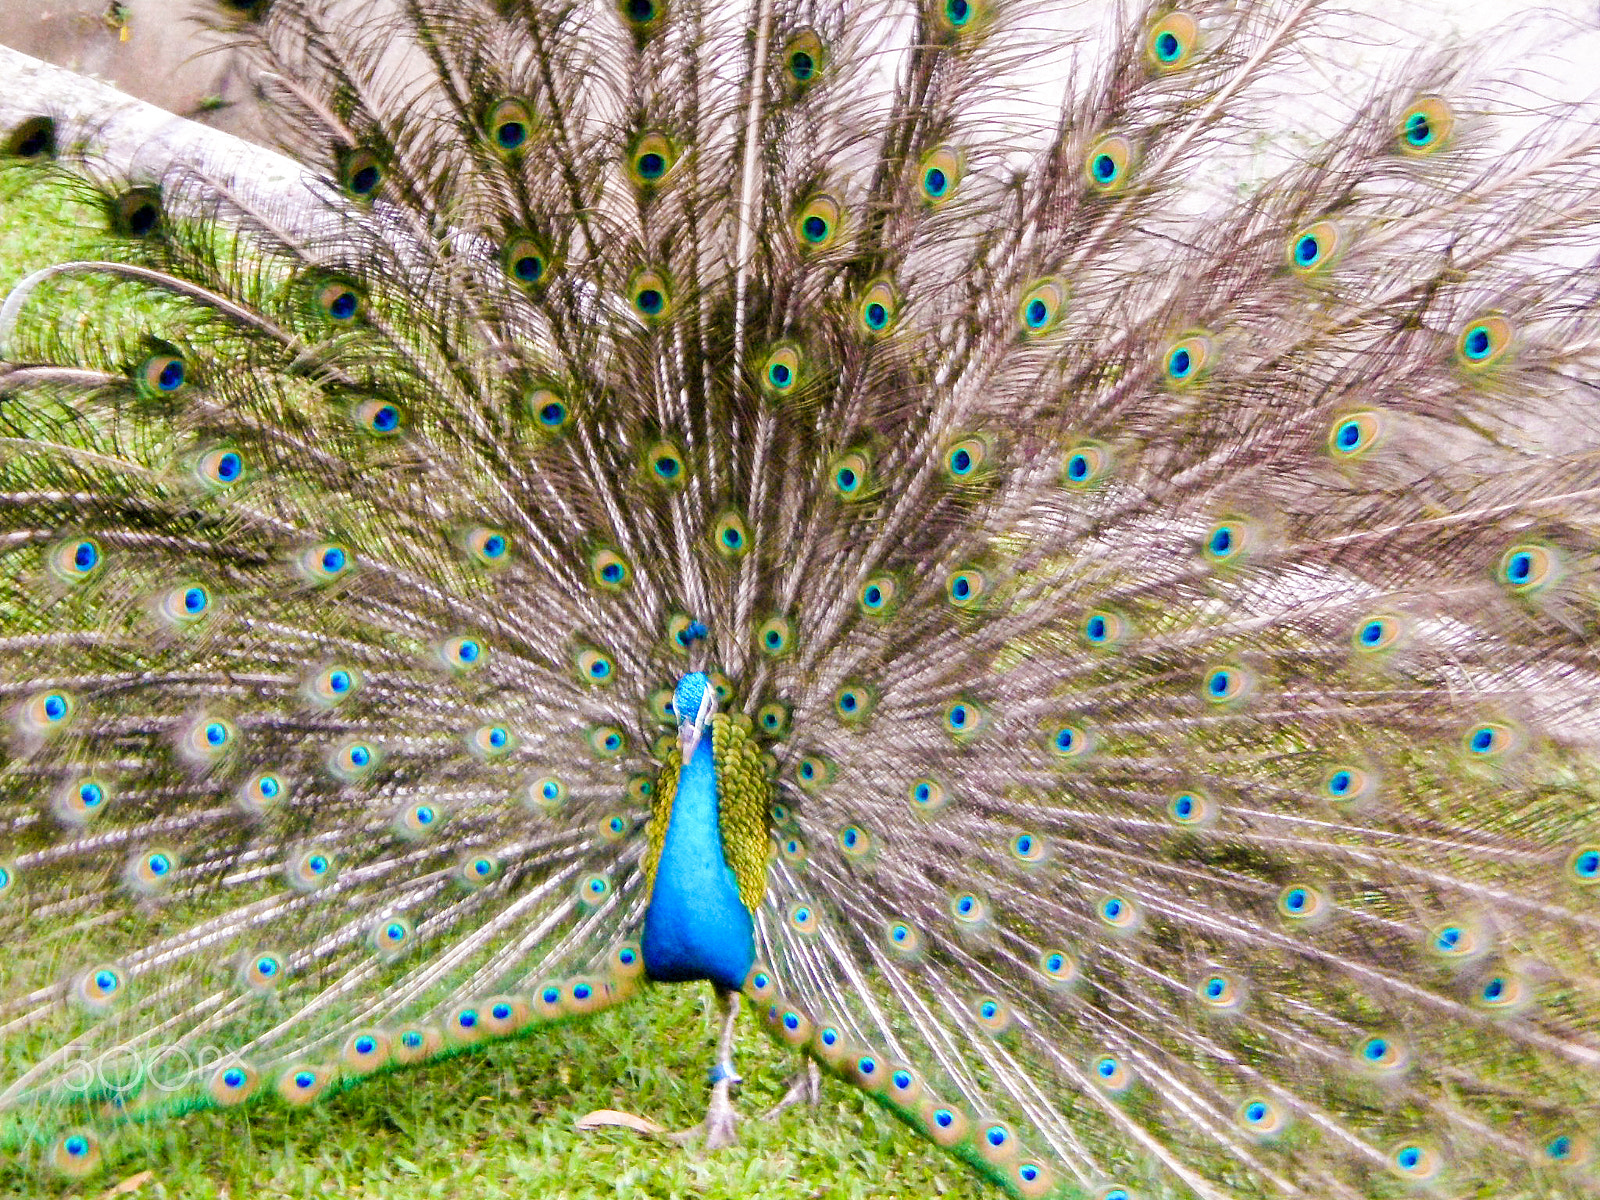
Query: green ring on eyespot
{"points": [[1167, 46]]}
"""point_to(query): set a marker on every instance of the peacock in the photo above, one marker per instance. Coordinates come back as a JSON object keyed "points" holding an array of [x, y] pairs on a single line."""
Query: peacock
{"points": [[849, 502]]}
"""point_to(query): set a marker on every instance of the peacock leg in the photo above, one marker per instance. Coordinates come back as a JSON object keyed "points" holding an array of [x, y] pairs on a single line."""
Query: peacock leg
{"points": [[719, 1127], [805, 1086]]}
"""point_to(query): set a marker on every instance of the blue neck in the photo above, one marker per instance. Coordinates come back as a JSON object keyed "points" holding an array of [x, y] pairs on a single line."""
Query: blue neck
{"points": [[696, 927]]}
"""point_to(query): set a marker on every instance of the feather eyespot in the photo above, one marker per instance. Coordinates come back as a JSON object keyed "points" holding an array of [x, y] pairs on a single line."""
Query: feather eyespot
{"points": [[1381, 1054], [1302, 904], [338, 301], [100, 988], [651, 159], [1314, 248], [334, 685], [1104, 629], [1086, 465], [233, 1084], [360, 174], [964, 460], [1220, 992], [853, 703], [593, 890], [804, 57], [32, 138], [775, 636], [1029, 849], [964, 719], [1483, 343], [150, 872], [138, 213], [1191, 809], [1490, 740], [163, 375], [492, 741], [381, 418], [1415, 1161], [1110, 1074], [76, 1154], [781, 373], [939, 175], [1108, 165], [261, 793], [208, 739], [609, 569], [813, 772], [643, 16], [650, 295], [1262, 1118], [508, 125], [262, 973], [46, 713], [1228, 684], [1058, 967], [1042, 308], [1425, 128], [549, 409], [606, 741], [817, 224], [970, 912], [966, 588], [461, 654], [391, 938], [219, 468], [595, 666], [1118, 914], [1528, 568], [850, 475], [957, 18], [325, 562], [1354, 434], [547, 792], [664, 464], [730, 536], [527, 261], [352, 761], [79, 801], [76, 560], [184, 606], [878, 308], [1171, 43], [1188, 360], [488, 547], [928, 797], [773, 719], [878, 596], [309, 870], [1228, 541], [1349, 785], [1583, 865]]}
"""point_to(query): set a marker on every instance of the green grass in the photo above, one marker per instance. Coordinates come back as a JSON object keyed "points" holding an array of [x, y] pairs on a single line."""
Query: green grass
{"points": [[499, 1122]]}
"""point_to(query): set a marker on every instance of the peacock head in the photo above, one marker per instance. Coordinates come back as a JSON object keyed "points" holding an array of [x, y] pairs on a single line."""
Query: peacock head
{"points": [[695, 703]]}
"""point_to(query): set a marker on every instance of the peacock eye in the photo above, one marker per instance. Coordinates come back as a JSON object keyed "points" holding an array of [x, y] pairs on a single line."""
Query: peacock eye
{"points": [[1108, 164], [1425, 127], [1171, 42]]}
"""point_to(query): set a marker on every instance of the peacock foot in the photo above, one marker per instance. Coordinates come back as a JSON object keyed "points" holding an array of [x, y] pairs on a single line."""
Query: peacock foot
{"points": [[720, 1128], [805, 1087]]}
